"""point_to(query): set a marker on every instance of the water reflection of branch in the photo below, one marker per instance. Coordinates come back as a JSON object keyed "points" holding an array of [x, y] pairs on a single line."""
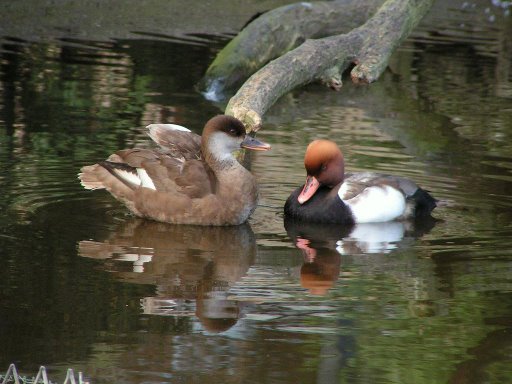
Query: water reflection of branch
{"points": [[191, 267], [504, 61], [492, 350]]}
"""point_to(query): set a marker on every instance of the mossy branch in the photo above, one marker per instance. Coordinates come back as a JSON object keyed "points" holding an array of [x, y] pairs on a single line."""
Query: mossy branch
{"points": [[277, 32], [368, 46]]}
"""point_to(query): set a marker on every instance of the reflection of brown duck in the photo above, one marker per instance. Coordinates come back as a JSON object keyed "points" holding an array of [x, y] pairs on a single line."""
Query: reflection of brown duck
{"points": [[214, 309], [186, 263]]}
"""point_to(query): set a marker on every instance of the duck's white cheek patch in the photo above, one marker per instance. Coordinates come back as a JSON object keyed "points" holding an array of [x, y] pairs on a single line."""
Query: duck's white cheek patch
{"points": [[221, 146], [376, 204]]}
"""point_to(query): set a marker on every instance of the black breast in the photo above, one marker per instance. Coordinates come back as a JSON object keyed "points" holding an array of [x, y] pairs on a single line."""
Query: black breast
{"points": [[324, 207]]}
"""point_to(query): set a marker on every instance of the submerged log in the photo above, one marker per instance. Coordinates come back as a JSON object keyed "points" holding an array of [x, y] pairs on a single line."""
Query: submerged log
{"points": [[368, 46]]}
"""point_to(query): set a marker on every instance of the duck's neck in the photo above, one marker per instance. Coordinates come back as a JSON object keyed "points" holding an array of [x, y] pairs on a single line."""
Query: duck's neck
{"points": [[235, 184], [233, 178], [221, 164]]}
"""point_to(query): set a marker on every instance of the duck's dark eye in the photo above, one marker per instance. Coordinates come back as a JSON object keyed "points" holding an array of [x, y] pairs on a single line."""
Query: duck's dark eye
{"points": [[233, 132], [323, 167]]}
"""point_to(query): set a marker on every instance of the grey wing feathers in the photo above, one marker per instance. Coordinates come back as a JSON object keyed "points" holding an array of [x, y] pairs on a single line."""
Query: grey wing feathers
{"points": [[408, 186], [357, 182]]}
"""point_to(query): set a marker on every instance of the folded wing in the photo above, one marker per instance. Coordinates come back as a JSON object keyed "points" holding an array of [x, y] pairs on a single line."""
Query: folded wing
{"points": [[175, 167]]}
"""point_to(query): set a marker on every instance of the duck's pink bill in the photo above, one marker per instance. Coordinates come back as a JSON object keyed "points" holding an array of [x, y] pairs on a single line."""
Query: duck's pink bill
{"points": [[309, 189], [254, 144]]}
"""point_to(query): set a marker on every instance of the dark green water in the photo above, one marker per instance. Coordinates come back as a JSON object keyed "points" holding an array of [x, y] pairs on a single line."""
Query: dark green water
{"points": [[85, 285]]}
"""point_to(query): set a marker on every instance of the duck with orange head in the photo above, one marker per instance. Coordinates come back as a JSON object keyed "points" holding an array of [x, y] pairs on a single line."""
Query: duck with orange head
{"points": [[332, 196]]}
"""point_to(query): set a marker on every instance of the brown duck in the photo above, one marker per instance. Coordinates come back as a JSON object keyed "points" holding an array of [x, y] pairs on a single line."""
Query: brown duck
{"points": [[188, 179]]}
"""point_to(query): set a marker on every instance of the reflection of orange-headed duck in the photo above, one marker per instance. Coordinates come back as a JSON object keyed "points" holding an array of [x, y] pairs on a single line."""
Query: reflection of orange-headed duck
{"points": [[321, 268], [331, 196], [188, 180]]}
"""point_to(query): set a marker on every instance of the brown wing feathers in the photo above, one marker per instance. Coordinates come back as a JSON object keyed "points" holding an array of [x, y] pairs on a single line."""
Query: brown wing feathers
{"points": [[123, 172], [175, 167]]}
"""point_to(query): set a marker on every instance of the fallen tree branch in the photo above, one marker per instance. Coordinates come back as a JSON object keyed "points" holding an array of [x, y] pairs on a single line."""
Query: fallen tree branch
{"points": [[277, 32], [368, 46]]}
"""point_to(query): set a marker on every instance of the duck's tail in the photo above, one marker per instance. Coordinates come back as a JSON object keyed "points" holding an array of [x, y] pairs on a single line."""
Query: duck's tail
{"points": [[425, 203], [101, 176], [92, 177]]}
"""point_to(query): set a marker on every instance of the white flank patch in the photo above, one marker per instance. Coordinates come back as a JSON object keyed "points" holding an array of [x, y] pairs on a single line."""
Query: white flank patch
{"points": [[145, 179], [170, 127], [343, 191], [375, 204], [127, 176]]}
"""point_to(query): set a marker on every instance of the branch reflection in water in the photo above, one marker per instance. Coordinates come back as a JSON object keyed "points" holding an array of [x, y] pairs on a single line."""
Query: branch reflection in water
{"points": [[192, 267], [323, 245]]}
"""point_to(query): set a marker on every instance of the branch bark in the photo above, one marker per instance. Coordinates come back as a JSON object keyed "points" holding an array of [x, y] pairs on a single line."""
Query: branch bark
{"points": [[369, 46], [277, 32]]}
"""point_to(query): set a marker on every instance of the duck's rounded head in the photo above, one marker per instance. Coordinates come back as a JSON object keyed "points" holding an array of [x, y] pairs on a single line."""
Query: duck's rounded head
{"points": [[224, 134], [324, 165]]}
